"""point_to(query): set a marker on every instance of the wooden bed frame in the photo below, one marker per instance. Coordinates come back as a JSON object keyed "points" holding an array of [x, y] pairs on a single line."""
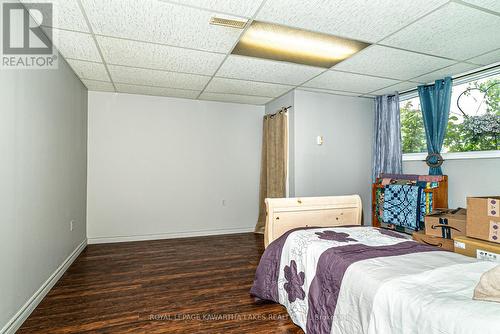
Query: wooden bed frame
{"points": [[284, 214]]}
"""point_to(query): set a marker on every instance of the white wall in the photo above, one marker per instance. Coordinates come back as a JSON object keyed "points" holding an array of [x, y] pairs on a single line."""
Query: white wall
{"points": [[467, 177], [342, 165], [43, 120], [285, 100], [161, 167]]}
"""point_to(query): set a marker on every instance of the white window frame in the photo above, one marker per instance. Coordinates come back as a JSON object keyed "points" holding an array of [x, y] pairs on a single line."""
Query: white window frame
{"points": [[493, 154], [455, 155]]}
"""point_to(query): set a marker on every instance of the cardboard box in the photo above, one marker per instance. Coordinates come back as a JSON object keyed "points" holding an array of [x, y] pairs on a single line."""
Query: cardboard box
{"points": [[479, 249], [483, 218], [421, 237], [446, 223]]}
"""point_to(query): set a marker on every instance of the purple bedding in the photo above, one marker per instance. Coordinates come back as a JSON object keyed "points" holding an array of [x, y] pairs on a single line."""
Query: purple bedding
{"points": [[335, 250]]}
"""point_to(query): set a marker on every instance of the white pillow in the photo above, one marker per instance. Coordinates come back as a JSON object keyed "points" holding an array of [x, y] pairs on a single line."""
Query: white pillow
{"points": [[488, 287]]}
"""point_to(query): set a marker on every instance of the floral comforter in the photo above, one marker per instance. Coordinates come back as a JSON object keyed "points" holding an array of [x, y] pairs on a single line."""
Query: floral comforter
{"points": [[343, 279]]}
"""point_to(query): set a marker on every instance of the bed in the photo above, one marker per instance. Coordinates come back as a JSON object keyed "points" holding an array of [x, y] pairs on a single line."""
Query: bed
{"points": [[362, 279]]}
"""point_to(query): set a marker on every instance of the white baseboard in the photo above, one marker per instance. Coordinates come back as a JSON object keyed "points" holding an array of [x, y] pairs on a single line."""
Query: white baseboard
{"points": [[17, 320], [187, 234], [24, 312]]}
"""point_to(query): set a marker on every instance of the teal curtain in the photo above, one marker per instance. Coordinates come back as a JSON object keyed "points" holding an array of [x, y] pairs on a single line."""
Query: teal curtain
{"points": [[435, 104]]}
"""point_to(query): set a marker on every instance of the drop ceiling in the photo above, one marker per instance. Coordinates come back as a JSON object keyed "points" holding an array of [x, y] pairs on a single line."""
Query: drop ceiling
{"points": [[168, 48]]}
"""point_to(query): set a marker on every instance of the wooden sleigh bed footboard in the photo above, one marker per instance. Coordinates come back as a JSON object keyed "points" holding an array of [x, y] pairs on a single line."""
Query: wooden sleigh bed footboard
{"points": [[284, 214]]}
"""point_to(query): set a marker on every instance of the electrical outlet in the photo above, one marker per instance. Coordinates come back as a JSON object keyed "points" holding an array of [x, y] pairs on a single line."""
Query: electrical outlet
{"points": [[72, 225]]}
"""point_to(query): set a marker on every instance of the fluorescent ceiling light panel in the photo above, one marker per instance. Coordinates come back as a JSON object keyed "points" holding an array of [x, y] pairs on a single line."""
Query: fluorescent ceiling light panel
{"points": [[277, 42]]}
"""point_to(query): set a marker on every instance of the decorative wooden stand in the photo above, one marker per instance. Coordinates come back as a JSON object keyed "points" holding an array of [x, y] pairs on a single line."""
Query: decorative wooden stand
{"points": [[439, 197]]}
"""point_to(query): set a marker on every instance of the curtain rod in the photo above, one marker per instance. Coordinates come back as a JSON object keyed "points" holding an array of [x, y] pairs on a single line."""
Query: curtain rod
{"points": [[411, 91], [283, 109], [476, 72]]}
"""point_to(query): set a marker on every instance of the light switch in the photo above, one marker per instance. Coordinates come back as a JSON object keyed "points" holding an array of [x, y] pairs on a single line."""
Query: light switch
{"points": [[319, 140]]}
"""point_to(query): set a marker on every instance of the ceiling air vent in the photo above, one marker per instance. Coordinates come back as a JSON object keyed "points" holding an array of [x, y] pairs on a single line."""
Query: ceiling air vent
{"points": [[218, 21]]}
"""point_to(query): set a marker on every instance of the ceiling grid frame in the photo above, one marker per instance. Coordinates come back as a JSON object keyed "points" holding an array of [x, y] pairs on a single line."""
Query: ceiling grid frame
{"points": [[95, 41], [465, 63], [249, 21]]}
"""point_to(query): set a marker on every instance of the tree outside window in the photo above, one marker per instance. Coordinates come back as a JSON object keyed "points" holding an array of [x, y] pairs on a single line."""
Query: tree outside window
{"points": [[474, 122]]}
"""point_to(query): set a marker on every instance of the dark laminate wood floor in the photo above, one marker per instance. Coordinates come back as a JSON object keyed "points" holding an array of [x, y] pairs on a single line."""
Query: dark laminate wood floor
{"points": [[161, 286]]}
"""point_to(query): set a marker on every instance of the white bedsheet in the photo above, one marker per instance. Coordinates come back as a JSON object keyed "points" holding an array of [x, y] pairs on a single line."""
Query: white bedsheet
{"points": [[422, 290], [415, 293]]}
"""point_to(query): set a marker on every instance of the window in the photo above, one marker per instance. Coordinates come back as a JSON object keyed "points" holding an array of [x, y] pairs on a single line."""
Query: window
{"points": [[474, 122]]}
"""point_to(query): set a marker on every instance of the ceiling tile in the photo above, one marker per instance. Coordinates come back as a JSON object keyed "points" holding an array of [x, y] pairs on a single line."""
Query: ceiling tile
{"points": [[399, 87], [139, 76], [240, 67], [244, 8], [66, 14], [449, 71], [391, 63], [486, 59], [348, 82], [89, 70], [160, 22], [157, 91], [131, 53], [259, 100], [359, 19], [493, 5], [328, 91], [234, 86], [101, 86], [454, 31], [75, 45]]}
